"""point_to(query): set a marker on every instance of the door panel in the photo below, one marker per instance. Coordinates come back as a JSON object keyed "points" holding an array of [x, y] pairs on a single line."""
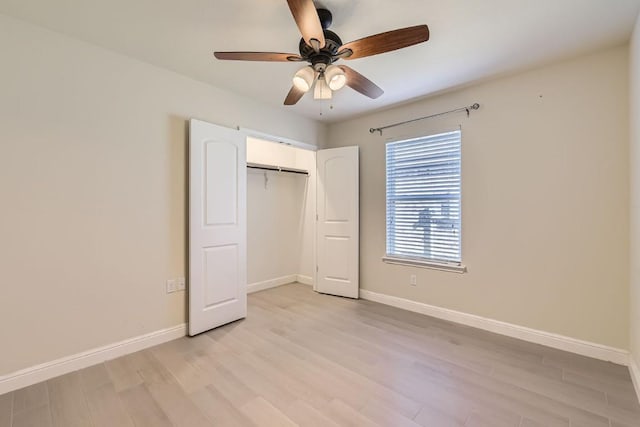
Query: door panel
{"points": [[221, 275], [337, 257], [337, 200], [338, 226], [221, 167], [217, 226]]}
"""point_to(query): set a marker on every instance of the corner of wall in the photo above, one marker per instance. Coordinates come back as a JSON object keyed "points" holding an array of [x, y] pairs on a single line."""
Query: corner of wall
{"points": [[634, 247]]}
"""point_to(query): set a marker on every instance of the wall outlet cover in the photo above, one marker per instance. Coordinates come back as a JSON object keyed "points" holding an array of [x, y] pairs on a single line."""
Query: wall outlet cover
{"points": [[171, 286]]}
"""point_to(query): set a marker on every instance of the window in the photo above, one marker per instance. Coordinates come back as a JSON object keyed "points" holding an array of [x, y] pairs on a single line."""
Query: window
{"points": [[423, 200]]}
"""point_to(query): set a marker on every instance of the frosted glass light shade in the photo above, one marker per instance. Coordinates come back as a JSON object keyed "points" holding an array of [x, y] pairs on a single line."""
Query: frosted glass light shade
{"points": [[335, 77], [322, 90], [303, 79]]}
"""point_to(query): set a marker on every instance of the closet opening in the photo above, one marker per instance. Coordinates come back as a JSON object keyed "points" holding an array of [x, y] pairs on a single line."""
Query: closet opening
{"points": [[281, 214]]}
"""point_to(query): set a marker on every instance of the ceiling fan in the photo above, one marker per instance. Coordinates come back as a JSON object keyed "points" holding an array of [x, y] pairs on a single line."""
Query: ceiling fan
{"points": [[321, 47]]}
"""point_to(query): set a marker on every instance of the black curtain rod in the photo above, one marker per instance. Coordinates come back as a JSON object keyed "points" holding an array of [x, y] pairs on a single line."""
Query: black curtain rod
{"points": [[467, 109]]}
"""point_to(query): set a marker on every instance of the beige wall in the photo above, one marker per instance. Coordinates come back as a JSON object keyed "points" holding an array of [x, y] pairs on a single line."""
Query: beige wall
{"points": [[634, 73], [280, 213], [545, 199], [92, 191]]}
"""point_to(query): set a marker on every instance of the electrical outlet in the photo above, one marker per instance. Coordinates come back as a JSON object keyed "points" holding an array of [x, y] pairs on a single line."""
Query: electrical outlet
{"points": [[171, 286], [413, 280], [181, 284]]}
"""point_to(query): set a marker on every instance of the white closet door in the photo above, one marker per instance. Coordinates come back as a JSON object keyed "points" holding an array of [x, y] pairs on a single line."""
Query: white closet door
{"points": [[217, 226], [338, 222]]}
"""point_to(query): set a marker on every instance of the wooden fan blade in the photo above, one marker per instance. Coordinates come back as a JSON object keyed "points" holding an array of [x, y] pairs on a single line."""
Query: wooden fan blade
{"points": [[293, 96], [386, 42], [360, 83], [306, 17], [258, 56]]}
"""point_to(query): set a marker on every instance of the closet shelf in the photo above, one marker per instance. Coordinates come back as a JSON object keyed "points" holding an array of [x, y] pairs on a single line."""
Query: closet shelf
{"points": [[277, 168]]}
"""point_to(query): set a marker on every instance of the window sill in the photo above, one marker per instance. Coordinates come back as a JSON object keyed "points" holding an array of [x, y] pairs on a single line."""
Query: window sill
{"points": [[426, 264]]}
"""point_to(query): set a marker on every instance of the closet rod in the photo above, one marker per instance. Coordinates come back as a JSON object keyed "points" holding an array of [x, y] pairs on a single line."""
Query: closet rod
{"points": [[277, 168], [467, 109]]}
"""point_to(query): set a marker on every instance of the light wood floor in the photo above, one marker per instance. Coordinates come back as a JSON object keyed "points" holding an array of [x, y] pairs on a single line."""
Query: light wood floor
{"points": [[302, 358]]}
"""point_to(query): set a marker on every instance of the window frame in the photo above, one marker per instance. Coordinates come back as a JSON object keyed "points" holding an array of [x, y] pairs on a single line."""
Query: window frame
{"points": [[423, 262]]}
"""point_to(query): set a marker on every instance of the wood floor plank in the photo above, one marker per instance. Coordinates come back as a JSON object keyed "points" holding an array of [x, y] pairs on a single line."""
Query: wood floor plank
{"points": [[622, 415], [279, 396], [610, 386], [189, 377], [6, 409], [227, 384], [152, 371], [345, 415], [218, 409], [30, 397], [429, 416], [626, 402], [67, 401], [106, 408], [35, 417], [306, 415], [585, 365], [94, 377], [263, 413], [301, 390], [123, 372], [176, 404], [384, 415], [143, 410], [618, 424], [526, 422], [557, 389], [485, 391], [493, 420]]}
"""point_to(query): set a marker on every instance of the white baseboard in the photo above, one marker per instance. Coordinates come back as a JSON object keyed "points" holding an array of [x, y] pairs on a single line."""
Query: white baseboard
{"points": [[305, 280], [272, 283], [279, 281], [561, 342], [634, 370], [45, 371]]}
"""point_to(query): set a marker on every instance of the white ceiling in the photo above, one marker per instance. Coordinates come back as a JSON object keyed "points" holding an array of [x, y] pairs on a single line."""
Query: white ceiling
{"points": [[470, 40]]}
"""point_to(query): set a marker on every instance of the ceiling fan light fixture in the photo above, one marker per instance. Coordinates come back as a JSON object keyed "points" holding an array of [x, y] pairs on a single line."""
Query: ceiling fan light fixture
{"points": [[335, 77], [303, 79], [322, 90]]}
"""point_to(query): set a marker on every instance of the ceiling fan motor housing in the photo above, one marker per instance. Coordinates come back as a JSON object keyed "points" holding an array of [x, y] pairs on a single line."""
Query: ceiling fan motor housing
{"points": [[325, 56]]}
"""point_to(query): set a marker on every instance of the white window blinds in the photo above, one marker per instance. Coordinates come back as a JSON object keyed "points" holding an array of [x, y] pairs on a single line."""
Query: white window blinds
{"points": [[423, 198]]}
